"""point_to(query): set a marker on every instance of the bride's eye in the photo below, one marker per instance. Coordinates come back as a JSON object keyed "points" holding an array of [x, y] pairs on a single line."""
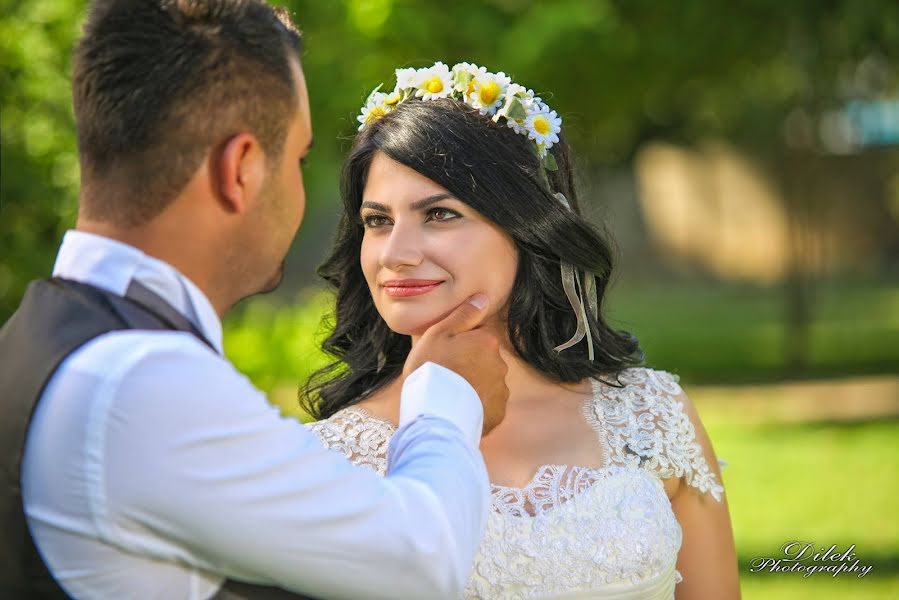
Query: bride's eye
{"points": [[440, 214], [373, 221]]}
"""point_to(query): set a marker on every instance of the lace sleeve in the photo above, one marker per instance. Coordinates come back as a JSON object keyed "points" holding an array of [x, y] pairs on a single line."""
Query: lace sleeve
{"points": [[646, 424], [361, 439]]}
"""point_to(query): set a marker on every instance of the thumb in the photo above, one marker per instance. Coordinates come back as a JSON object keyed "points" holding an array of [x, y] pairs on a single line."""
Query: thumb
{"points": [[465, 317]]}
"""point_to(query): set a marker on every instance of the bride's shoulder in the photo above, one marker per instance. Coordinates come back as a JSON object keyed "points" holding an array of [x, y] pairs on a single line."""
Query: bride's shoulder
{"points": [[649, 420], [350, 421], [334, 429], [639, 400], [358, 434], [639, 388]]}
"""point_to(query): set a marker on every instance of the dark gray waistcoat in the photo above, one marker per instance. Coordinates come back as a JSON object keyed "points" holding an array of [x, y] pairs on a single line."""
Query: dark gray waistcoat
{"points": [[55, 318]]}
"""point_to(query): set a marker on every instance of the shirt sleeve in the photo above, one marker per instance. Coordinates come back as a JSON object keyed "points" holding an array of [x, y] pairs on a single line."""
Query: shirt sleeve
{"points": [[198, 467], [435, 390]]}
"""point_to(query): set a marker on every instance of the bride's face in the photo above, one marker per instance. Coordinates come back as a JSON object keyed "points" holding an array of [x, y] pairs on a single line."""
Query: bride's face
{"points": [[425, 252]]}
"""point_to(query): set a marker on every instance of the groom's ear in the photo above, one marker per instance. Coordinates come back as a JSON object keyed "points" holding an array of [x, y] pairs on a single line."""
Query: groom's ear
{"points": [[238, 172]]}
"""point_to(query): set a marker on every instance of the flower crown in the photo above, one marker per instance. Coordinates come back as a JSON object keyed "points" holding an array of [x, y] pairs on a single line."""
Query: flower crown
{"points": [[493, 94]]}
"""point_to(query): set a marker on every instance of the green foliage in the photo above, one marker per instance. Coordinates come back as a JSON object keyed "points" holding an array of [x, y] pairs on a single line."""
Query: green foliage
{"points": [[278, 347], [38, 162], [618, 71]]}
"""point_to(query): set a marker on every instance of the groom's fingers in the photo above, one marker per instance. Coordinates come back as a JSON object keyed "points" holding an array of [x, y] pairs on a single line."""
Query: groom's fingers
{"points": [[458, 344], [465, 317]]}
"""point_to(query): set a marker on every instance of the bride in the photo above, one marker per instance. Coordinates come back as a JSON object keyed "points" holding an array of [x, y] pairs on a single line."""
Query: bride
{"points": [[605, 484]]}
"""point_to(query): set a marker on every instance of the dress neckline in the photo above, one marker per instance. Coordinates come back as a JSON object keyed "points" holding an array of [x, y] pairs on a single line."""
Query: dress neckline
{"points": [[589, 409]]}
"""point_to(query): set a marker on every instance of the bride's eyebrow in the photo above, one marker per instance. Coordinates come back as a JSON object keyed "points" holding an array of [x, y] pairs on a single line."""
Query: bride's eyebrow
{"points": [[433, 199], [374, 206], [417, 205]]}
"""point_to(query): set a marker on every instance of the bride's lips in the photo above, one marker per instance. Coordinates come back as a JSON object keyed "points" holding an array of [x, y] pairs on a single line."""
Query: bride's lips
{"points": [[404, 288]]}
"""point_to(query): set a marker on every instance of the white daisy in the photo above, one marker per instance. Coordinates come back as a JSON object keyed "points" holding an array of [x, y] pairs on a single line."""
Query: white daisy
{"points": [[530, 101], [374, 109], [526, 98], [434, 82], [492, 94], [463, 76], [543, 126], [406, 78], [515, 89], [488, 91]]}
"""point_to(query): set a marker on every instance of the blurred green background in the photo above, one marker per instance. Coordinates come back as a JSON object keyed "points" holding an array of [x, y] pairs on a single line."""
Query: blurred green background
{"points": [[745, 156]]}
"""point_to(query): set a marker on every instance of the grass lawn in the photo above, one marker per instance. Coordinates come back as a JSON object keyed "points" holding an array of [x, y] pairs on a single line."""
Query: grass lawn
{"points": [[716, 333], [827, 484]]}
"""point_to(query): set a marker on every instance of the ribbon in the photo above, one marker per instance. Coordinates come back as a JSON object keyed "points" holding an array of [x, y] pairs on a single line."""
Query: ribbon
{"points": [[575, 292]]}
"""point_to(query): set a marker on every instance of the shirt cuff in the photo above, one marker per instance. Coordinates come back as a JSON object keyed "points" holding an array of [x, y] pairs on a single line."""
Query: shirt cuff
{"points": [[435, 390]]}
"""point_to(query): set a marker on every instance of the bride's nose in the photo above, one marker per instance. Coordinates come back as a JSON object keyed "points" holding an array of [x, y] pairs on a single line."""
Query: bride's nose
{"points": [[403, 248]]}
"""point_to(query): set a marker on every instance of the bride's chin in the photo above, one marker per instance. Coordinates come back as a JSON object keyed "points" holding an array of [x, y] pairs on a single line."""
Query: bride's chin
{"points": [[410, 330], [411, 327]]}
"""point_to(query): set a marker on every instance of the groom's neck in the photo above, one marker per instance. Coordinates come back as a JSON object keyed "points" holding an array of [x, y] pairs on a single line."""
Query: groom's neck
{"points": [[164, 239]]}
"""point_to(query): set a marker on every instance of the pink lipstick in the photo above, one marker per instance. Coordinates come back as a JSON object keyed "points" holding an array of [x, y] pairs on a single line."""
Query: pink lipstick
{"points": [[406, 288]]}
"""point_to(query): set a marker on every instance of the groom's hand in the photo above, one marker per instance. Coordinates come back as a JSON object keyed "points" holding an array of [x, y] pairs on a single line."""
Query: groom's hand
{"points": [[458, 344]]}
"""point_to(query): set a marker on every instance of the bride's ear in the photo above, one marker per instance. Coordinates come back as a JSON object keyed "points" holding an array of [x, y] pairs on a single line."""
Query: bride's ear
{"points": [[238, 172]]}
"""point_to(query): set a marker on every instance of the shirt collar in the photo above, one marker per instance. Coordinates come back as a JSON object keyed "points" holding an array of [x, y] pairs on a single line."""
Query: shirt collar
{"points": [[112, 265]]}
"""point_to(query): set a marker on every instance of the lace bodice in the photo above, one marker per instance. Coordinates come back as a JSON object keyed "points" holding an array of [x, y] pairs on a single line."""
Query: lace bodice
{"points": [[574, 531]]}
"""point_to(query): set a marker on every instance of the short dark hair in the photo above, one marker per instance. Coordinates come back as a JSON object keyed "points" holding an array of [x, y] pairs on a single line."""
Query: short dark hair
{"points": [[497, 172], [158, 83]]}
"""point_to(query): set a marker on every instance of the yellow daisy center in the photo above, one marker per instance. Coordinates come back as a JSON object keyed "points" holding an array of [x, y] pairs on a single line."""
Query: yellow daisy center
{"points": [[375, 113], [541, 125], [488, 92], [434, 85]]}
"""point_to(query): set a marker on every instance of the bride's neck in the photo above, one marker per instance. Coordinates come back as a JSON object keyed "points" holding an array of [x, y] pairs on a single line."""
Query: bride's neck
{"points": [[522, 378]]}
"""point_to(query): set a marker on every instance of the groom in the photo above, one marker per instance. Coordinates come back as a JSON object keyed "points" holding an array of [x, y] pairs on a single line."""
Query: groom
{"points": [[148, 466]]}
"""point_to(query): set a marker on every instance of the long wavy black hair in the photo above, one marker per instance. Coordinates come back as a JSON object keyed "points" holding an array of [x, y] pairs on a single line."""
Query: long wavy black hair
{"points": [[498, 173]]}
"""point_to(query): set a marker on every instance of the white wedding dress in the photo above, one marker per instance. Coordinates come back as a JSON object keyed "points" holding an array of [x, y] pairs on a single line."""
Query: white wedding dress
{"points": [[578, 532]]}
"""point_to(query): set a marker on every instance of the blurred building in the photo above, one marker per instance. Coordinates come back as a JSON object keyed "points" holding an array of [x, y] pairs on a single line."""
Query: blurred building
{"points": [[715, 209]]}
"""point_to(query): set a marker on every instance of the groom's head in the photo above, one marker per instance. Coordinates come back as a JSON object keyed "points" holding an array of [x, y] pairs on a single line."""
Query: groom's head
{"points": [[198, 99]]}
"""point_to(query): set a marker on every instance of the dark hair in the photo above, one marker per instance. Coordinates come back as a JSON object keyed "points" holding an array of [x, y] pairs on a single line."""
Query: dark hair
{"points": [[497, 172], [158, 83]]}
